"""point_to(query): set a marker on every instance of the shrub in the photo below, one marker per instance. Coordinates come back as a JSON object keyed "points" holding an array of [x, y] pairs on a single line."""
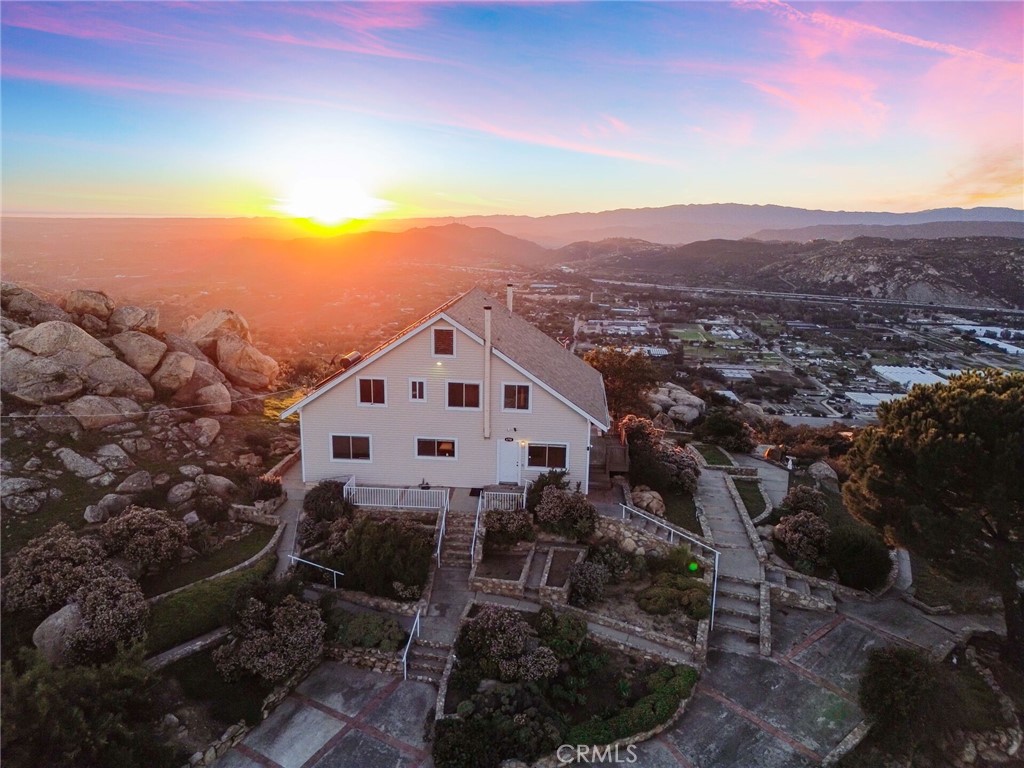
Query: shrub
{"points": [[803, 498], [552, 478], [370, 630], [390, 558], [674, 591], [311, 531], [507, 528], [678, 560], [562, 634], [148, 538], [265, 487], [114, 614], [272, 642], [898, 690], [654, 463], [722, 426], [805, 537], [335, 533], [326, 501], [621, 566], [586, 583], [464, 743], [213, 509], [567, 514], [500, 644], [49, 569], [860, 558]]}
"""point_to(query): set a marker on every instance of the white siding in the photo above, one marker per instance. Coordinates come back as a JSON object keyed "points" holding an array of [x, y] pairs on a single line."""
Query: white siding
{"points": [[395, 427]]}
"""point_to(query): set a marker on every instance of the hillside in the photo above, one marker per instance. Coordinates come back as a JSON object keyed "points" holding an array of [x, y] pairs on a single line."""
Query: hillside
{"points": [[975, 270], [931, 230]]}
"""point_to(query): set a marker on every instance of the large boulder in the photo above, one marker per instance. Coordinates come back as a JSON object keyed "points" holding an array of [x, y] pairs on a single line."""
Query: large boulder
{"points": [[130, 318], [216, 323], [57, 421], [95, 303], [205, 375], [685, 414], [202, 431], [113, 457], [65, 343], [53, 634], [38, 380], [215, 399], [245, 365], [109, 377], [178, 343], [173, 373], [80, 465], [140, 350], [24, 304], [823, 473], [95, 412], [137, 482], [215, 485], [180, 493], [648, 501]]}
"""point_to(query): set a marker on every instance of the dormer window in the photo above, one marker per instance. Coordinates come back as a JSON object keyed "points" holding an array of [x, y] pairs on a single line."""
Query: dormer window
{"points": [[444, 342]]}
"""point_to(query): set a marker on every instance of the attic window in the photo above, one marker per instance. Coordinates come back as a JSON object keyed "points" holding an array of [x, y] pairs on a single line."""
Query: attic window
{"points": [[444, 342]]}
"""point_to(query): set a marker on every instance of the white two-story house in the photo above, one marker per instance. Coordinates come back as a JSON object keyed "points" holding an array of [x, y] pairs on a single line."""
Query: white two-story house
{"points": [[469, 396]]}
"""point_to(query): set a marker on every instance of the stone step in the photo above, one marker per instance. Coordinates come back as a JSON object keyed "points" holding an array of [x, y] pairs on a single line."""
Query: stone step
{"points": [[825, 595], [430, 666], [734, 643], [738, 589], [738, 606], [421, 651], [775, 577], [425, 643], [798, 585], [750, 627], [433, 680]]}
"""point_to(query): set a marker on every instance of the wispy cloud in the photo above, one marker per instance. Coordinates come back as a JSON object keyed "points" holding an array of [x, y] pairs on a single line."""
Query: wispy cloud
{"points": [[990, 175], [367, 45]]}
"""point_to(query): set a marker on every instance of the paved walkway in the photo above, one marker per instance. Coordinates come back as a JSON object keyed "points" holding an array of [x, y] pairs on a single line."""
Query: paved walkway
{"points": [[774, 480], [738, 559], [292, 483], [342, 717]]}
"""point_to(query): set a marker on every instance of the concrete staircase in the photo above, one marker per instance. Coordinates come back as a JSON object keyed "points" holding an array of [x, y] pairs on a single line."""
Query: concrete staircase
{"points": [[458, 538], [737, 616], [798, 592], [427, 660]]}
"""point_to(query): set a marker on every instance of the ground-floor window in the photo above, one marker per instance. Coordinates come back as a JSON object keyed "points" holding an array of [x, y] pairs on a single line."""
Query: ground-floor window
{"points": [[546, 456], [350, 447], [435, 447]]}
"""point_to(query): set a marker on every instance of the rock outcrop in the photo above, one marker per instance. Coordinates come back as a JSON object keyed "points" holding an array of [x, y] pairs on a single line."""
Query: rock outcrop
{"points": [[23, 304], [94, 412], [174, 372], [139, 350], [95, 303], [206, 331], [245, 365], [52, 635], [675, 403], [129, 318]]}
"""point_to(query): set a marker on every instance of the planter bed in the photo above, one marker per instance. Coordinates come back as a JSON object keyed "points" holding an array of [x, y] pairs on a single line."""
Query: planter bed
{"points": [[496, 585]]}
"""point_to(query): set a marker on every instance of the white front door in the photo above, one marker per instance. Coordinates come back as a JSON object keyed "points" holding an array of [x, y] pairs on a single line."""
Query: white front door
{"points": [[508, 461]]}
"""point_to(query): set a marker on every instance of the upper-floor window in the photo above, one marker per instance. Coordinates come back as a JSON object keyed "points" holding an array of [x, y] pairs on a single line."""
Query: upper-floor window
{"points": [[371, 392], [549, 456], [444, 342], [417, 390], [463, 395], [517, 397], [350, 447]]}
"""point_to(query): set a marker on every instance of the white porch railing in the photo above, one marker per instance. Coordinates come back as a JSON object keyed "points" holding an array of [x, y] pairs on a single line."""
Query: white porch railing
{"points": [[396, 498], [629, 512], [414, 632]]}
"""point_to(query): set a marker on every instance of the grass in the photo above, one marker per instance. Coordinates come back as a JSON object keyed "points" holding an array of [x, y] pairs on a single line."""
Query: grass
{"points": [[750, 493], [198, 609], [836, 515], [228, 556], [713, 455], [935, 589], [228, 702], [681, 511]]}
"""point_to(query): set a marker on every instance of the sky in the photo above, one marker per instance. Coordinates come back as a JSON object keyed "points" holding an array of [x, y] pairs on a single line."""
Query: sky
{"points": [[342, 110]]}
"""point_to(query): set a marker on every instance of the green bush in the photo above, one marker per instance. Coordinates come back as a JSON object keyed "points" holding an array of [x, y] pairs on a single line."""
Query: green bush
{"points": [[460, 743], [508, 527], [562, 634], [586, 583], [326, 502], [673, 591], [805, 537], [898, 691], [859, 556], [265, 487], [371, 630], [621, 566], [389, 558], [554, 478], [567, 514]]}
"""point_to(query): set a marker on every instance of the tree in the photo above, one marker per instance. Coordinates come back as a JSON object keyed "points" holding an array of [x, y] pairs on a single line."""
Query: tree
{"points": [[627, 378], [722, 426], [67, 717], [47, 571], [943, 473], [146, 537]]}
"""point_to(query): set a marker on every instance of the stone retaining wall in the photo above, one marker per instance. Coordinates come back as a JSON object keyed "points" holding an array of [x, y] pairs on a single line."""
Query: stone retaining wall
{"points": [[621, 532], [669, 641], [269, 547], [260, 512], [285, 464], [373, 659], [495, 586], [556, 594], [793, 599]]}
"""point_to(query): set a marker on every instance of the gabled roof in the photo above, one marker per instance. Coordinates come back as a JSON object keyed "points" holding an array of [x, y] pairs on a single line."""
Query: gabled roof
{"points": [[513, 339]]}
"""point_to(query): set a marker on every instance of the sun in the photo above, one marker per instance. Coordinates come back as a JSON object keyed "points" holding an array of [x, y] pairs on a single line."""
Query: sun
{"points": [[330, 201]]}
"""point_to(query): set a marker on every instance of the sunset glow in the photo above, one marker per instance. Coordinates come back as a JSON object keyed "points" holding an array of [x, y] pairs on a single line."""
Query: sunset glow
{"points": [[334, 111]]}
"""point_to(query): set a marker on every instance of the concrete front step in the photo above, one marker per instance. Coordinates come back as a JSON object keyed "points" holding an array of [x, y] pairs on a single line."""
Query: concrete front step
{"points": [[734, 643], [428, 667], [738, 590], [738, 606], [751, 627]]}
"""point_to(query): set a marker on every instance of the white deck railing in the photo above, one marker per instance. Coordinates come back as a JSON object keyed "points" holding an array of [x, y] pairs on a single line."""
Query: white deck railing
{"points": [[397, 498], [629, 512]]}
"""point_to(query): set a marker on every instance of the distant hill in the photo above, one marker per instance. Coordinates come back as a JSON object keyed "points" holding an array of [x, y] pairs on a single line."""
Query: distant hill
{"points": [[971, 271], [931, 230], [680, 224]]}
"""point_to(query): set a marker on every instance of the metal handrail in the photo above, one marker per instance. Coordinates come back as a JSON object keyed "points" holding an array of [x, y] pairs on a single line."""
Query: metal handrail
{"points": [[414, 631], [440, 536], [476, 529], [295, 559], [672, 533]]}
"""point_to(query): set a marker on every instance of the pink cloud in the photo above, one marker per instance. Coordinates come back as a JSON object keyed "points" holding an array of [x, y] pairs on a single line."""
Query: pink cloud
{"points": [[78, 20], [368, 45], [607, 125]]}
